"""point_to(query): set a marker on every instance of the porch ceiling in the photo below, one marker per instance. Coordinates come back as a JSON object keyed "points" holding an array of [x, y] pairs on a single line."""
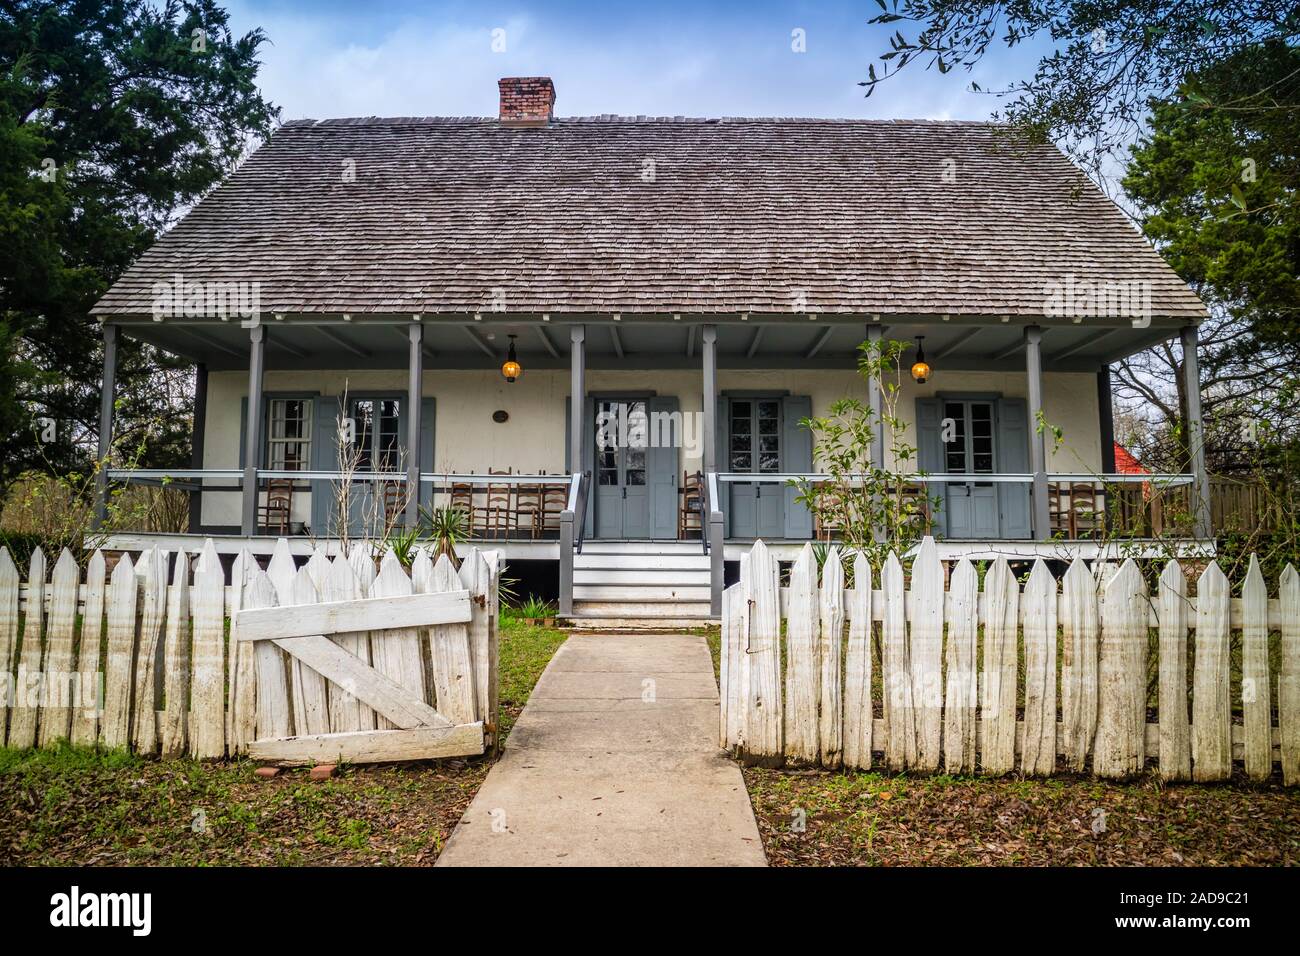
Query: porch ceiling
{"points": [[787, 342]]}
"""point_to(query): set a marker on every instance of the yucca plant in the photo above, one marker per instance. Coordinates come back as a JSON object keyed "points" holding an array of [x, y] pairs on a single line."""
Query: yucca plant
{"points": [[444, 527], [403, 542], [535, 610]]}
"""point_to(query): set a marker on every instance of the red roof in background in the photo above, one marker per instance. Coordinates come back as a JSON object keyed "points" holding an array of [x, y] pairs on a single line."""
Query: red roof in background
{"points": [[1126, 464]]}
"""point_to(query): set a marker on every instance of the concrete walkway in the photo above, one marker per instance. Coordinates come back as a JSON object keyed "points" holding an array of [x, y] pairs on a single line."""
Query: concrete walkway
{"points": [[614, 762]]}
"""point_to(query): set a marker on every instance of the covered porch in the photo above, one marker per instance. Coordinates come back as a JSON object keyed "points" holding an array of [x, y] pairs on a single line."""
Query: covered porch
{"points": [[443, 428]]}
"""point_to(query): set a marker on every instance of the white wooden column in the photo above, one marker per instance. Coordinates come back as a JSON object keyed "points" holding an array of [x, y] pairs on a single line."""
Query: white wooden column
{"points": [[577, 395], [1042, 524], [414, 388], [709, 355], [106, 397], [253, 427], [1196, 432]]}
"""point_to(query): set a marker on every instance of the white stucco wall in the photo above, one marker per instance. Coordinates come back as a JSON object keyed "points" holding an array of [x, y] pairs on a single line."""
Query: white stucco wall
{"points": [[532, 440]]}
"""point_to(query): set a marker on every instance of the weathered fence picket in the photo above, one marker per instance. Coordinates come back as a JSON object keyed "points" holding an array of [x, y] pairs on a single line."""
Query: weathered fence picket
{"points": [[895, 673], [207, 724], [830, 650], [1175, 726], [925, 654], [85, 713], [9, 583], [55, 717], [1255, 698], [761, 640], [1211, 703], [858, 713], [961, 696], [152, 572], [115, 724], [1079, 625], [998, 697], [22, 721], [176, 680], [1005, 715], [802, 671], [1288, 683], [1038, 754]]}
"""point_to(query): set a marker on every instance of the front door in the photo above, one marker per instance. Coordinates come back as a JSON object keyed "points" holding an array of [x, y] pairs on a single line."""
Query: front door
{"points": [[376, 426], [969, 448], [754, 446], [622, 473]]}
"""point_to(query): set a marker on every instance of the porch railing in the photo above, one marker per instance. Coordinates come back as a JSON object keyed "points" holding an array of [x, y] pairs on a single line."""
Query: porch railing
{"points": [[209, 481], [1080, 506]]}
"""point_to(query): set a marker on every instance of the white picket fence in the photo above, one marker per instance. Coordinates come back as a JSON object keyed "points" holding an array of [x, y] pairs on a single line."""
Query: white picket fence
{"points": [[970, 680], [134, 660]]}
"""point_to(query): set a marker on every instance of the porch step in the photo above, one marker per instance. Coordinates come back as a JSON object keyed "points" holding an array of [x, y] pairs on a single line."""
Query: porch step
{"points": [[640, 562], [652, 581], [647, 595], [643, 547], [697, 611], [648, 577]]}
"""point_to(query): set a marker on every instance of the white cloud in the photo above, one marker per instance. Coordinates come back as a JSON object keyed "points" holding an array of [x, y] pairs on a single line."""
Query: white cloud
{"points": [[327, 62]]}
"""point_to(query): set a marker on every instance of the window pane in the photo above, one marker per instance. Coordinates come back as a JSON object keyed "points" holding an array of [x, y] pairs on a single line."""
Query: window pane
{"points": [[740, 461], [635, 476], [769, 409]]}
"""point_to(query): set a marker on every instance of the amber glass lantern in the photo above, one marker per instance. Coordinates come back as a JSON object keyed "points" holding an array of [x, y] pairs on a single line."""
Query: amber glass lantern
{"points": [[920, 368], [511, 369]]}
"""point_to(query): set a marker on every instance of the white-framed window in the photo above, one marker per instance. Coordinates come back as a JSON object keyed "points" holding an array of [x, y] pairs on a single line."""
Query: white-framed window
{"points": [[288, 434]]}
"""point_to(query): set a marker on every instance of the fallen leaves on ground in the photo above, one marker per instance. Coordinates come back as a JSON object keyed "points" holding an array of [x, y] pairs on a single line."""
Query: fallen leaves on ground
{"points": [[874, 819]]}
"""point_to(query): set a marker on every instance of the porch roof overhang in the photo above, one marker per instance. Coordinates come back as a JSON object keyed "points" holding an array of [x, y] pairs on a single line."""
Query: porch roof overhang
{"points": [[648, 340]]}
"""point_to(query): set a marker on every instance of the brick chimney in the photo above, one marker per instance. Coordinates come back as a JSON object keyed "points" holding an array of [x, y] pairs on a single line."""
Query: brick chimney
{"points": [[526, 100]]}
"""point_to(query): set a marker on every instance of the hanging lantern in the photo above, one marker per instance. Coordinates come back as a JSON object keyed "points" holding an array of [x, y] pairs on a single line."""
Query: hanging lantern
{"points": [[511, 369], [920, 368]]}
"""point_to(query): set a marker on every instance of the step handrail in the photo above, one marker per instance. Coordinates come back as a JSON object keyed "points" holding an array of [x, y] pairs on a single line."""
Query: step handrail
{"points": [[573, 520]]}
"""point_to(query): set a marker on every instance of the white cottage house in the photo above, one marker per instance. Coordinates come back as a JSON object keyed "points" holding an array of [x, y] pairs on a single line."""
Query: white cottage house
{"points": [[714, 274]]}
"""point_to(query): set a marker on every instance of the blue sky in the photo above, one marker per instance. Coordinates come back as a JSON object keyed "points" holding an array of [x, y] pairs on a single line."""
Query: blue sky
{"points": [[329, 58]]}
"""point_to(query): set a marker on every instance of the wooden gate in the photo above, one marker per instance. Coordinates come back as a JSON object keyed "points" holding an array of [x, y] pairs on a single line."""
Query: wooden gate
{"points": [[363, 667]]}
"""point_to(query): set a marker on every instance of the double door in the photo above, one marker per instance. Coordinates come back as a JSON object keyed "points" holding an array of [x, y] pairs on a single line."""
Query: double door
{"points": [[622, 472], [754, 427], [970, 449]]}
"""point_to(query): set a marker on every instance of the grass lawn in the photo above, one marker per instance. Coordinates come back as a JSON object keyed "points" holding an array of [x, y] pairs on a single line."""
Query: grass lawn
{"points": [[82, 807]]}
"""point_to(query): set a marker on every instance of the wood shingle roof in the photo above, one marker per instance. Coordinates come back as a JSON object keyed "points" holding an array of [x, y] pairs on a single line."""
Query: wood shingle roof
{"points": [[653, 215]]}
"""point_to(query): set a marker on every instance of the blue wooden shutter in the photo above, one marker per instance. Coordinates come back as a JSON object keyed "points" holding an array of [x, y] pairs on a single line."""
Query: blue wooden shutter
{"points": [[722, 460], [243, 429], [1013, 458], [929, 455], [661, 469], [796, 457], [324, 457], [428, 432]]}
